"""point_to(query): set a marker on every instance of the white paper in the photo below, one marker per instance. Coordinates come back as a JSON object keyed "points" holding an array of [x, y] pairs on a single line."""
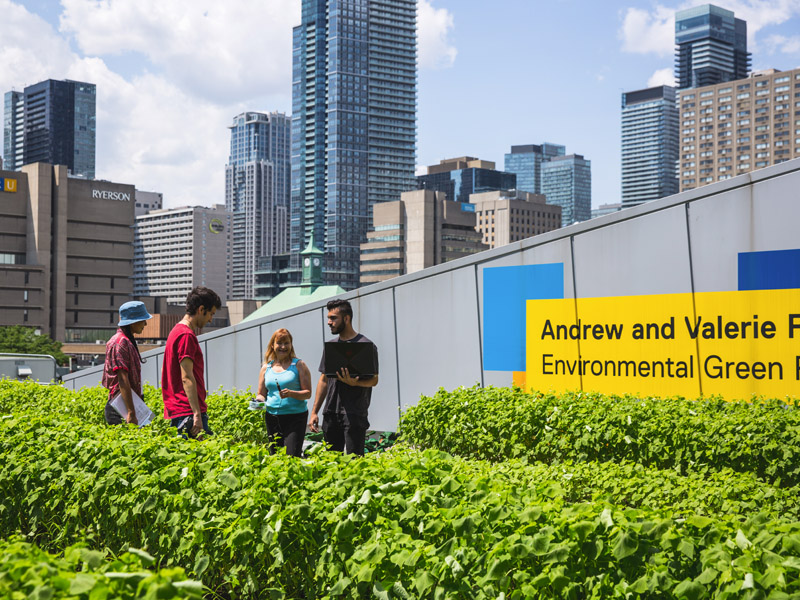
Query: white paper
{"points": [[143, 413]]}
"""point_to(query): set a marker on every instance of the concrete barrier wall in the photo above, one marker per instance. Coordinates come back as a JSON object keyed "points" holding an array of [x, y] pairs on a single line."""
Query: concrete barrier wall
{"points": [[428, 325]]}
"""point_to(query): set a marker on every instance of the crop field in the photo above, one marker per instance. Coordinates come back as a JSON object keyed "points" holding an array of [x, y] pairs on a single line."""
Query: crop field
{"points": [[490, 494]]}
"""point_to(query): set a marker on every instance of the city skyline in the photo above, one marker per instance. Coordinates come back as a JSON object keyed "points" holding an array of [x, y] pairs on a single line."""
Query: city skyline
{"points": [[179, 87]]}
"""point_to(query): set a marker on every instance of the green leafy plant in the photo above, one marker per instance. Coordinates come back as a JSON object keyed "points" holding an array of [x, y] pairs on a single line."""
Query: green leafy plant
{"points": [[666, 433], [27, 571]]}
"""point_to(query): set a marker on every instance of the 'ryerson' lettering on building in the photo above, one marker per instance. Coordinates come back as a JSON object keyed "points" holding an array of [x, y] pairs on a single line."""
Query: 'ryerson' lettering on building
{"points": [[107, 195]]}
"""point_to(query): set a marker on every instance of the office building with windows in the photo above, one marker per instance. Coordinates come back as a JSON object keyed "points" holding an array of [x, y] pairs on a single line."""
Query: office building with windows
{"points": [[525, 162], [52, 122], [420, 230], [649, 145], [567, 182], [66, 252], [461, 177], [257, 192], [503, 217], [175, 250], [147, 201], [711, 47], [354, 101], [739, 126]]}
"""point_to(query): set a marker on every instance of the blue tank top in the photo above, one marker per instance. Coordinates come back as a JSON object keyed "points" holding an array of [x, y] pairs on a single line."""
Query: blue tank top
{"points": [[289, 380]]}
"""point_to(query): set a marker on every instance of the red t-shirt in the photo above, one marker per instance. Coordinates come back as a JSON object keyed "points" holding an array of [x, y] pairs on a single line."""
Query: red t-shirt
{"points": [[181, 343]]}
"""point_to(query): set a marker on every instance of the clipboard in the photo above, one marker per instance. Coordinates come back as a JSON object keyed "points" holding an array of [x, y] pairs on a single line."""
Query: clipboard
{"points": [[143, 413]]}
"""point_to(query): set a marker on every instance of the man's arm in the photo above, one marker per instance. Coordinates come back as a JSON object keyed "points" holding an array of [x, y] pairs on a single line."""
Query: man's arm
{"points": [[345, 377], [322, 391], [190, 387], [127, 396]]}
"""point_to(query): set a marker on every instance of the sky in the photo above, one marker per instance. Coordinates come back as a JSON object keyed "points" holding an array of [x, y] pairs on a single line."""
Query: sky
{"points": [[172, 75]]}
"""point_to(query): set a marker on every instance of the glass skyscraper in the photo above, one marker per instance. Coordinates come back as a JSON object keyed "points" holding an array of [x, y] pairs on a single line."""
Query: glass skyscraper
{"points": [[711, 47], [52, 122], [649, 145], [257, 192], [567, 182], [354, 88], [526, 162]]}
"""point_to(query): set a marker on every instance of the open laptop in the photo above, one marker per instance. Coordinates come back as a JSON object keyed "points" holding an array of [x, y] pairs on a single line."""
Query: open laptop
{"points": [[357, 357]]}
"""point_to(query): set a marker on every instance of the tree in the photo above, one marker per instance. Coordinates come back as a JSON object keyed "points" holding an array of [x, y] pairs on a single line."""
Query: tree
{"points": [[24, 340]]}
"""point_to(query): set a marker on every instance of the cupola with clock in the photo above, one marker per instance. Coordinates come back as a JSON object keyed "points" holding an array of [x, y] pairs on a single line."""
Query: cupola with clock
{"points": [[311, 259]]}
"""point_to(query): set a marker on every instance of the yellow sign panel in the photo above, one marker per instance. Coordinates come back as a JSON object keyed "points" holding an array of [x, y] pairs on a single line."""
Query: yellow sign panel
{"points": [[9, 185], [733, 344]]}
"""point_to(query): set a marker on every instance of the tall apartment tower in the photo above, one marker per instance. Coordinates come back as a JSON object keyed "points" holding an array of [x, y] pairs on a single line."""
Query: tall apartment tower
{"points": [[51, 122], [526, 162], [257, 192], [567, 182], [175, 250], [711, 46], [650, 146], [739, 126], [354, 88]]}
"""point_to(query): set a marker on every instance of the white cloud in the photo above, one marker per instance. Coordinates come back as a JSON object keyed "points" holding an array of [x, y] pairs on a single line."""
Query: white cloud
{"points": [[783, 44], [164, 127], [645, 32], [662, 77], [21, 62], [223, 51], [433, 29], [653, 31]]}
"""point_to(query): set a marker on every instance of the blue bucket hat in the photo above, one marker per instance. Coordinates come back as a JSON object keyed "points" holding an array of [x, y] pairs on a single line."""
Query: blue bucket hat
{"points": [[133, 312]]}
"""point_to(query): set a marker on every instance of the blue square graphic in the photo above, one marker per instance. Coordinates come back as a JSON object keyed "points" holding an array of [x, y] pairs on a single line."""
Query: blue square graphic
{"points": [[769, 270], [505, 290]]}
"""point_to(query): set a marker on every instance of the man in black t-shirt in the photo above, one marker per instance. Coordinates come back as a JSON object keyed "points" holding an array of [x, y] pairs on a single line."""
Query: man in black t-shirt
{"points": [[346, 397]]}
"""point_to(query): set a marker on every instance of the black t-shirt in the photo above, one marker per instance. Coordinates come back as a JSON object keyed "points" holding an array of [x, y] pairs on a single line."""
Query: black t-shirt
{"points": [[343, 398]]}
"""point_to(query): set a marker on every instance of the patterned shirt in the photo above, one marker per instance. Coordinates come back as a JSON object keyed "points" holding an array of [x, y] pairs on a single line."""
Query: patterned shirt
{"points": [[120, 354]]}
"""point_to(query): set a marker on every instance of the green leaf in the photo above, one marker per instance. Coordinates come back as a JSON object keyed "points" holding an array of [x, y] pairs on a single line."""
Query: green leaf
{"points": [[146, 558], [686, 547], [201, 564], [605, 518], [689, 590], [627, 543], [341, 586], [229, 479], [81, 584], [423, 581], [742, 541]]}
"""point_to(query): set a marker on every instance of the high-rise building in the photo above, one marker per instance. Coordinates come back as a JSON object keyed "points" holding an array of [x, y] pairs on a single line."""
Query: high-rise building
{"points": [[51, 122], [147, 201], [649, 144], [257, 192], [503, 217], [607, 209], [711, 46], [739, 126], [525, 162], [354, 88], [421, 230], [567, 182], [175, 250], [463, 176], [66, 252]]}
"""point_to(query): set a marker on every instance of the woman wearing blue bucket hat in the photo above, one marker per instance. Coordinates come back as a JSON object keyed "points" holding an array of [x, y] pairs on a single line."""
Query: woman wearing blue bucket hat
{"points": [[122, 373]]}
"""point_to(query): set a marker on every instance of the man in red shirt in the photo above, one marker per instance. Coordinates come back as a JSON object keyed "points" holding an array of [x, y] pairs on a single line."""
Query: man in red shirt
{"points": [[182, 383]]}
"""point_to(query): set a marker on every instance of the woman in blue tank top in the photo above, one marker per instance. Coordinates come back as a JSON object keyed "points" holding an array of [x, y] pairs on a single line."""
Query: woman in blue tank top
{"points": [[285, 384]]}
